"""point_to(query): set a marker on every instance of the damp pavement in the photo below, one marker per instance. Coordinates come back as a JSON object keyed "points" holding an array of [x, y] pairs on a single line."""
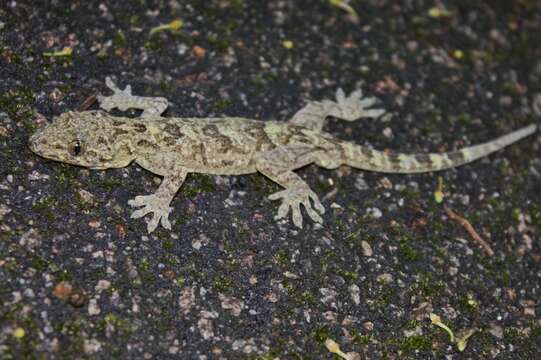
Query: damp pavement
{"points": [[384, 273]]}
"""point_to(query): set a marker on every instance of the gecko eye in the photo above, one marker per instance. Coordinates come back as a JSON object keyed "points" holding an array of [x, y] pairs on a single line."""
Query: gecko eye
{"points": [[74, 148]]}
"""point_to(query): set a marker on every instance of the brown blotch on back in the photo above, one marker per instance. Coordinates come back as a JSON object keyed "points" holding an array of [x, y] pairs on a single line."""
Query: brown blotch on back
{"points": [[294, 134], [147, 144], [173, 130], [263, 142], [126, 149], [119, 131], [170, 141], [139, 127], [211, 130], [227, 162], [224, 142]]}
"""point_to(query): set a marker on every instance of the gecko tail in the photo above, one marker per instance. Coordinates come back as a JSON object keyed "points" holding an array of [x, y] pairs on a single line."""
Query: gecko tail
{"points": [[367, 159]]}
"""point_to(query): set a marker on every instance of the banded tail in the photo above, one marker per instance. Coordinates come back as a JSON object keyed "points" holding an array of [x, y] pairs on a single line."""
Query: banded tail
{"points": [[364, 158]]}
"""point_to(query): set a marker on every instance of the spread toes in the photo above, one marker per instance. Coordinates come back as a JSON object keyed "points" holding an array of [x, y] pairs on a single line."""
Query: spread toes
{"points": [[155, 205], [292, 199]]}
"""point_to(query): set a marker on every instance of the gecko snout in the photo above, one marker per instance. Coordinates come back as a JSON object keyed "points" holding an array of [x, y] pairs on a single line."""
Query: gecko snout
{"points": [[32, 142], [36, 142]]}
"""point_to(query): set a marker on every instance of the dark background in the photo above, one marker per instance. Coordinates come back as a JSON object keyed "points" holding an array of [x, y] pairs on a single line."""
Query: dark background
{"points": [[80, 279]]}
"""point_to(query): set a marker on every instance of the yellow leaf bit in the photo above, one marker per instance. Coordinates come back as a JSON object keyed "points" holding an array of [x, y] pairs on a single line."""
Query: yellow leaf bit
{"points": [[458, 54], [438, 194], [343, 4], [436, 320], [66, 51], [334, 348], [174, 25], [19, 333], [462, 342], [436, 13], [288, 44]]}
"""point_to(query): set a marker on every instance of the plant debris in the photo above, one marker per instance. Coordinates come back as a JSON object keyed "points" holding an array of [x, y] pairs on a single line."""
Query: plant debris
{"points": [[469, 228]]}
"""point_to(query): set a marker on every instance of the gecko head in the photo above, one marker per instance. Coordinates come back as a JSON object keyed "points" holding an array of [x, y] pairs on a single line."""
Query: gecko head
{"points": [[90, 139]]}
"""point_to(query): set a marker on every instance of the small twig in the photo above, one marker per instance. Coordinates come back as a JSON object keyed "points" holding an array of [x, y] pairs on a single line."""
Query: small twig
{"points": [[89, 101], [466, 225], [330, 195]]}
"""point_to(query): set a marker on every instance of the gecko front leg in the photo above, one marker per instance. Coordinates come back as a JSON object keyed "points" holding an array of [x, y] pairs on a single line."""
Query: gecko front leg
{"points": [[123, 100], [158, 203], [278, 165]]}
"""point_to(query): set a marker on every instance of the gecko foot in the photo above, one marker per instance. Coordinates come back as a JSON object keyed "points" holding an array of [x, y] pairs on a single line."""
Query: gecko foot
{"points": [[292, 199], [355, 106], [120, 98], [152, 204]]}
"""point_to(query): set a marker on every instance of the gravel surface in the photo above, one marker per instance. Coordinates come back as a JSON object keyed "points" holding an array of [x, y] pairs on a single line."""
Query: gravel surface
{"points": [[79, 279]]}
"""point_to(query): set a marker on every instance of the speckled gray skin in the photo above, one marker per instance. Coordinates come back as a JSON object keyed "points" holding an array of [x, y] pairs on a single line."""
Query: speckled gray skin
{"points": [[174, 147]]}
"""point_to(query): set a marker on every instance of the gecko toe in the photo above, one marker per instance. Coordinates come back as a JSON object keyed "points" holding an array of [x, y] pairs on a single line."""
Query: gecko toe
{"points": [[296, 215], [152, 224], [373, 113], [140, 213], [340, 96], [357, 94], [151, 204], [278, 195], [160, 217], [292, 199], [317, 203], [366, 102], [283, 210], [165, 222], [140, 200], [313, 214]]}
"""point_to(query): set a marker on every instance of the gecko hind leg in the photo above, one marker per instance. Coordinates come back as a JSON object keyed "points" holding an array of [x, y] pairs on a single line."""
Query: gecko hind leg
{"points": [[278, 165], [350, 108]]}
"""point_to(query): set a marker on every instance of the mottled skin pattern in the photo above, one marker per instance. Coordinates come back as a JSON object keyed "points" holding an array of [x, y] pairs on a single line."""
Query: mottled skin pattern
{"points": [[174, 147]]}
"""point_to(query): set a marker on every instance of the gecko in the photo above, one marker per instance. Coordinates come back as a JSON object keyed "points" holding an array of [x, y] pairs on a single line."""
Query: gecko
{"points": [[173, 147]]}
